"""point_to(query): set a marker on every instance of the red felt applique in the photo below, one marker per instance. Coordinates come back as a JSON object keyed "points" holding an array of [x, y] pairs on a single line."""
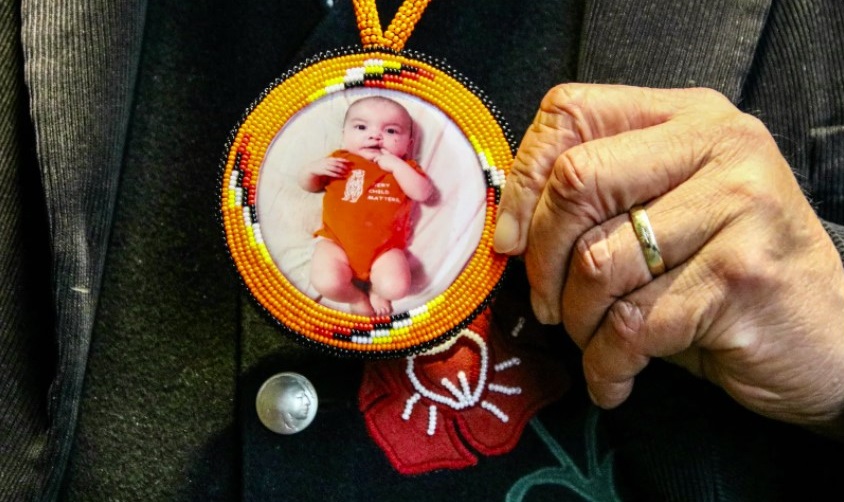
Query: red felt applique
{"points": [[477, 390]]}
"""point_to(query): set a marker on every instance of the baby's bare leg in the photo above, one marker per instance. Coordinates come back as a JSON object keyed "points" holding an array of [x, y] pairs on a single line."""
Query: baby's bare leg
{"points": [[390, 277], [332, 277]]}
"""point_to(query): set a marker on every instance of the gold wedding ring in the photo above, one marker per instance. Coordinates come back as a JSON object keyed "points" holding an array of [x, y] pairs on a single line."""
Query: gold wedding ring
{"points": [[647, 240]]}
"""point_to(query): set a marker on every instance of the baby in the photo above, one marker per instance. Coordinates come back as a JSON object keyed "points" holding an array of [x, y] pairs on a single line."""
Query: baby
{"points": [[370, 187]]}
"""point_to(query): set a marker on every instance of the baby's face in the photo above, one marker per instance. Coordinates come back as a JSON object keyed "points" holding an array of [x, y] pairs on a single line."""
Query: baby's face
{"points": [[373, 125]]}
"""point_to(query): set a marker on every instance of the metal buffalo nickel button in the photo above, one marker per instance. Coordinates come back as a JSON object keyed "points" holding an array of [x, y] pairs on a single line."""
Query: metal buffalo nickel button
{"points": [[286, 403]]}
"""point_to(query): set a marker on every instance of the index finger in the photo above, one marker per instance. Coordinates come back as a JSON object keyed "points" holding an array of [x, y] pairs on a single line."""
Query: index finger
{"points": [[571, 114]]}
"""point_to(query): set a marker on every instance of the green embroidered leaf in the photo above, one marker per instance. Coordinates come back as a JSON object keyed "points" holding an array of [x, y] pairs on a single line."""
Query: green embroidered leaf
{"points": [[595, 484]]}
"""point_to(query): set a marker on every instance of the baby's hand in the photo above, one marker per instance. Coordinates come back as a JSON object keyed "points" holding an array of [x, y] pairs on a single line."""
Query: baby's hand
{"points": [[316, 175], [388, 162], [329, 166]]}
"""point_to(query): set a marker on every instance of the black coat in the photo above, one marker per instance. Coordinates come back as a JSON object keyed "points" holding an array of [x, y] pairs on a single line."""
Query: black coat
{"points": [[129, 353]]}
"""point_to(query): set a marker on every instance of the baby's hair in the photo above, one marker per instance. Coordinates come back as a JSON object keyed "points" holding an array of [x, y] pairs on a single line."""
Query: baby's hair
{"points": [[379, 99]]}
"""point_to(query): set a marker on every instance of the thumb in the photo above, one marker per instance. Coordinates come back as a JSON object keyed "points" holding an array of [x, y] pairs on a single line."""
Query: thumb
{"points": [[548, 136]]}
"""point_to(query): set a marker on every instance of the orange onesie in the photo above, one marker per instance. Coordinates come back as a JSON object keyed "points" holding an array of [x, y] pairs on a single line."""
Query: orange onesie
{"points": [[366, 213]]}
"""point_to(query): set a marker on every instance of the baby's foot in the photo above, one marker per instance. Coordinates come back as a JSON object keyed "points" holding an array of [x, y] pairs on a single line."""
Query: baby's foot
{"points": [[380, 305], [362, 307]]}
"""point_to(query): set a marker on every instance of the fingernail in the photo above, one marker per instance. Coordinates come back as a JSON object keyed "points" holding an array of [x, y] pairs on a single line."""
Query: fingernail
{"points": [[506, 237], [543, 314]]}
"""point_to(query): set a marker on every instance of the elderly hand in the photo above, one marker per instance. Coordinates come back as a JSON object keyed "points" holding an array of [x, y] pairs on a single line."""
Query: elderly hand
{"points": [[753, 293]]}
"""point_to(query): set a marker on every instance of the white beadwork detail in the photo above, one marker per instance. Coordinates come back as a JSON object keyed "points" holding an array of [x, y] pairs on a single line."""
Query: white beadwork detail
{"points": [[247, 216], [361, 339], [461, 400], [432, 420], [238, 196], [509, 363], [520, 324], [335, 88], [464, 382], [408, 406], [233, 179], [356, 72], [418, 311], [445, 346], [496, 176], [503, 389], [495, 410], [256, 230], [454, 390], [380, 333], [403, 323], [373, 62], [484, 161], [354, 76]]}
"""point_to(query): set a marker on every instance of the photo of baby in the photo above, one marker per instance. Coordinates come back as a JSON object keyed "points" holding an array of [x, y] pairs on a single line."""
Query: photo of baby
{"points": [[371, 201], [370, 186]]}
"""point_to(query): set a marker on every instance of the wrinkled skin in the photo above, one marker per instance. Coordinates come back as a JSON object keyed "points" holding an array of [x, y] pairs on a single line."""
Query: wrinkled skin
{"points": [[753, 295]]}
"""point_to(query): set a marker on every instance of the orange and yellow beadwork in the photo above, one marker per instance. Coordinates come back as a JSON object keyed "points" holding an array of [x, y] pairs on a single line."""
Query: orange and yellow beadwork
{"points": [[338, 331], [396, 33]]}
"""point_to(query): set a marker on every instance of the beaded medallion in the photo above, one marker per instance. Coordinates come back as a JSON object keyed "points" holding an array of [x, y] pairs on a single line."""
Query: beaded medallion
{"points": [[359, 193]]}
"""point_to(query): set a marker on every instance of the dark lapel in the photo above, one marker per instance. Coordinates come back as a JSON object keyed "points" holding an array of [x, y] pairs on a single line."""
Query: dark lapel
{"points": [[671, 43], [80, 63]]}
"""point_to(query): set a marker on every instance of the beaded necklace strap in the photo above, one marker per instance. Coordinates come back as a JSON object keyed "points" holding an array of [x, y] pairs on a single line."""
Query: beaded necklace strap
{"points": [[397, 32]]}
